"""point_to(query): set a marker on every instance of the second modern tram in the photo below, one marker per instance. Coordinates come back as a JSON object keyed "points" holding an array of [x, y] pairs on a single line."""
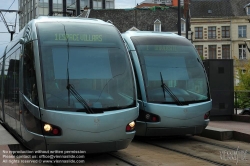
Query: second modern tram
{"points": [[68, 84], [172, 85]]}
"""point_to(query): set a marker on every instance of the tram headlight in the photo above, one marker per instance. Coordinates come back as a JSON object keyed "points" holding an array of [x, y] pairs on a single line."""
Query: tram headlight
{"points": [[132, 124], [148, 117], [47, 127], [130, 127], [51, 130]]}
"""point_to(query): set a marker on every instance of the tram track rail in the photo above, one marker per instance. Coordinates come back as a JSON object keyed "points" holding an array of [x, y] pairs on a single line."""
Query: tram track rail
{"points": [[187, 154], [122, 159], [219, 145]]}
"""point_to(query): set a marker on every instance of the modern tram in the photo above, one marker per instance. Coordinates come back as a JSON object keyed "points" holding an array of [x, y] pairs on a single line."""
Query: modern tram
{"points": [[172, 85], [68, 84]]}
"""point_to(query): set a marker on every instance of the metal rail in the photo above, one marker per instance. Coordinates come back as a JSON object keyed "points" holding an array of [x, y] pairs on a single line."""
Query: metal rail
{"points": [[187, 154], [122, 159], [219, 145]]}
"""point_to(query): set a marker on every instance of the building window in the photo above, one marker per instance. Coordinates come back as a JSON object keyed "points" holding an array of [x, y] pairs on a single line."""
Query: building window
{"points": [[225, 51], [97, 4], [248, 10], [242, 30], [198, 33], [109, 4], [70, 3], [84, 3], [242, 51], [225, 32], [212, 51], [183, 25], [199, 49], [157, 26], [211, 32]]}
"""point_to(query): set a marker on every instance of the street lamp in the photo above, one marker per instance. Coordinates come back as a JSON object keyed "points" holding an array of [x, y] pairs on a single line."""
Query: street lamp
{"points": [[246, 41]]}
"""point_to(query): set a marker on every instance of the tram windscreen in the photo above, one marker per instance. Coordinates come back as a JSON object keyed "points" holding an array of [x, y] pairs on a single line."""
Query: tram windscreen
{"points": [[92, 59], [175, 63]]}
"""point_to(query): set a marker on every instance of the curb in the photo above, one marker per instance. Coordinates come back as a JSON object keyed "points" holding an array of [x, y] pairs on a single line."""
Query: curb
{"points": [[241, 118], [217, 133], [241, 136], [224, 134]]}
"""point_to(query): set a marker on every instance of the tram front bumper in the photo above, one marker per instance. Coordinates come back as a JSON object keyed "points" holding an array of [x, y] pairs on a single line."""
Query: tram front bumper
{"points": [[146, 129], [99, 147], [195, 130]]}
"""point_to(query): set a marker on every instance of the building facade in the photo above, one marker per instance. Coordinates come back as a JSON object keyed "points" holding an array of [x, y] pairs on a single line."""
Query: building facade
{"points": [[163, 2], [30, 9], [220, 29], [219, 34]]}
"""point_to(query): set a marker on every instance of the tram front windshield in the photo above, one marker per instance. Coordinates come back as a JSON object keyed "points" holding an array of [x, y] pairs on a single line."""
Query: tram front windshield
{"points": [[89, 58], [174, 63]]}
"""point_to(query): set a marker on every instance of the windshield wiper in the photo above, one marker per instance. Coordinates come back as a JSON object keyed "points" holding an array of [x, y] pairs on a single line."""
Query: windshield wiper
{"points": [[166, 88], [79, 98], [70, 88]]}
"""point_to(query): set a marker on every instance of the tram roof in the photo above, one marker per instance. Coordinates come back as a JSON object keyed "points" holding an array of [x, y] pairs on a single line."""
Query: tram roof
{"points": [[150, 33], [55, 19], [69, 19]]}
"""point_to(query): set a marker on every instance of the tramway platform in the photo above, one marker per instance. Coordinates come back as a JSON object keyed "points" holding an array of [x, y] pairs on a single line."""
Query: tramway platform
{"points": [[5, 137], [6, 141], [237, 129]]}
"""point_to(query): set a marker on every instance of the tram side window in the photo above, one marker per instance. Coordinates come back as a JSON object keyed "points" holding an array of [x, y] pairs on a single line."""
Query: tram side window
{"points": [[1, 78], [139, 96], [7, 71], [29, 75], [12, 78]]}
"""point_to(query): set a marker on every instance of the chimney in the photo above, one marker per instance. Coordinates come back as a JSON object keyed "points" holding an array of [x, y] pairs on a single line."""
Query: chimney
{"points": [[175, 3]]}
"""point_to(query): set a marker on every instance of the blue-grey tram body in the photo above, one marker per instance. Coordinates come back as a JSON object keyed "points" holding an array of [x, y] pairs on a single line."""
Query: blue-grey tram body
{"points": [[68, 84], [173, 90]]}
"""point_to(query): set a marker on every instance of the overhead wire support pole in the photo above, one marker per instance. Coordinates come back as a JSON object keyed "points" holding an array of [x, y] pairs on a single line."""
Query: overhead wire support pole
{"points": [[64, 8], [179, 18], [50, 8], [78, 8], [12, 32]]}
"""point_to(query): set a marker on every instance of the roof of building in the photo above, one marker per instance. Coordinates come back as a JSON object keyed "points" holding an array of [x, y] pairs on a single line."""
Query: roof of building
{"points": [[147, 5], [238, 7], [217, 8], [142, 19]]}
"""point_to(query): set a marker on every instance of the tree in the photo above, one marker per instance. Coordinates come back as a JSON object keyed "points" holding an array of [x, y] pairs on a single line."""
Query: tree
{"points": [[243, 87]]}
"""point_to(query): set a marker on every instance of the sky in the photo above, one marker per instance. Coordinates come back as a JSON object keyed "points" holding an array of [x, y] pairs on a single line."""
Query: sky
{"points": [[13, 5]]}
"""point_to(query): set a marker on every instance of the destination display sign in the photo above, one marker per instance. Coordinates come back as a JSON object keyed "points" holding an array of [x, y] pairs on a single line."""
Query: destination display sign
{"points": [[78, 37], [61, 33], [167, 48]]}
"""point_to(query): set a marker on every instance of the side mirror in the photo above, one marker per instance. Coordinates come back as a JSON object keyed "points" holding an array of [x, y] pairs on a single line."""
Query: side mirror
{"points": [[21, 41]]}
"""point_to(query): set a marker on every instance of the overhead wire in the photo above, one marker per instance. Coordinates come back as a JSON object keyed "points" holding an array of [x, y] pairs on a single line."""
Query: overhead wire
{"points": [[10, 6], [4, 43], [6, 12]]}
